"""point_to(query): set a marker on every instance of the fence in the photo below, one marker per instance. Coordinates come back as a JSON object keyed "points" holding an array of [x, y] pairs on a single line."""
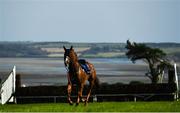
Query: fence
{"points": [[8, 88], [99, 98], [125, 92], [106, 92]]}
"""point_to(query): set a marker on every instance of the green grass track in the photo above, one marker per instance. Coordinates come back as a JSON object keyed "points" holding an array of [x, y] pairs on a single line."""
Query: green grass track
{"points": [[171, 106]]}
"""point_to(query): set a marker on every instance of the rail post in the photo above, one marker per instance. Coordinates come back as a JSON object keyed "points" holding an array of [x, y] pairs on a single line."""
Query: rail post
{"points": [[176, 82]]}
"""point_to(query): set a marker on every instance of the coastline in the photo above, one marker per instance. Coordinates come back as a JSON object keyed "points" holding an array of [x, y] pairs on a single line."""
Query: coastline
{"points": [[45, 71]]}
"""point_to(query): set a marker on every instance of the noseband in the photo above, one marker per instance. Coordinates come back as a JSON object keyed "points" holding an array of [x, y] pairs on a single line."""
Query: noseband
{"points": [[67, 64]]}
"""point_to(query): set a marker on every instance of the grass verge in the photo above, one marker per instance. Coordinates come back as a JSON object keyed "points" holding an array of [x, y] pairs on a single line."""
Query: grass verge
{"points": [[170, 106]]}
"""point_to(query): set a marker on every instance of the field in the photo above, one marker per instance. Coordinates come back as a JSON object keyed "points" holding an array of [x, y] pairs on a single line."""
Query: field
{"points": [[85, 50], [167, 106], [59, 52]]}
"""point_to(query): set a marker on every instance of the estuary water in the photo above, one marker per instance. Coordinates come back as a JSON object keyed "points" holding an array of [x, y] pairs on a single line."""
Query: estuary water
{"points": [[51, 71]]}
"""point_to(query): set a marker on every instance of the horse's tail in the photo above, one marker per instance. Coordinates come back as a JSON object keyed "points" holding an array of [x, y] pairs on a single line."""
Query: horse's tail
{"points": [[97, 82]]}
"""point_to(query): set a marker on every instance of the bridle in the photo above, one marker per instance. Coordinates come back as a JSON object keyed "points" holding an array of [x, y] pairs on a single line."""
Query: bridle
{"points": [[67, 64]]}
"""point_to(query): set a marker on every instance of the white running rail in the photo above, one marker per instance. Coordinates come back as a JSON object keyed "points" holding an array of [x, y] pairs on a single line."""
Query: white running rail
{"points": [[8, 88], [176, 81]]}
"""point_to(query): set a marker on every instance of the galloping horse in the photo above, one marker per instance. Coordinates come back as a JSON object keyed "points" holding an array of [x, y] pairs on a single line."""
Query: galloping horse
{"points": [[77, 75]]}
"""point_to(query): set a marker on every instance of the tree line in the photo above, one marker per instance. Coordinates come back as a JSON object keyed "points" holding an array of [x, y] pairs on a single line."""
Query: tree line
{"points": [[20, 50]]}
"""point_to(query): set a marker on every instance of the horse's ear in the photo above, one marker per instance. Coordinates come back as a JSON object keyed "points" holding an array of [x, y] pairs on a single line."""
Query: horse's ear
{"points": [[64, 48], [71, 48]]}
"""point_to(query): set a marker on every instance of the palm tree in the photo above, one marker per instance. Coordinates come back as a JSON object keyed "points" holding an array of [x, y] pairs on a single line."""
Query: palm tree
{"points": [[153, 56]]}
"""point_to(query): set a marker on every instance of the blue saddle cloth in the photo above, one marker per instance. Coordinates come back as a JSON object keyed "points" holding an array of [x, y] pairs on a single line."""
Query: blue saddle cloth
{"points": [[84, 65]]}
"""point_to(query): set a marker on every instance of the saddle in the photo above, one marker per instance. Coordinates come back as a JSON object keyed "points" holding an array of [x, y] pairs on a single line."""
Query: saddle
{"points": [[84, 65]]}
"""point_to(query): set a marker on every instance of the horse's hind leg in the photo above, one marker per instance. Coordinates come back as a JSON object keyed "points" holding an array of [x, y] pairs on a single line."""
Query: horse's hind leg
{"points": [[69, 90], [89, 91], [80, 90]]}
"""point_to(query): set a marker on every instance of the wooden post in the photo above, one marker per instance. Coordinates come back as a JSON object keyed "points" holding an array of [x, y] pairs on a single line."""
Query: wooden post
{"points": [[18, 81], [171, 76]]}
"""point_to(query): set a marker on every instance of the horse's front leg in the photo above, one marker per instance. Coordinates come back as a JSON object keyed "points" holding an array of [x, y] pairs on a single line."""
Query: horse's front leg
{"points": [[80, 90], [69, 90]]}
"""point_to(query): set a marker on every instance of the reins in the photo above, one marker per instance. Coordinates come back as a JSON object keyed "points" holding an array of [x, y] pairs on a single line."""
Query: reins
{"points": [[67, 69]]}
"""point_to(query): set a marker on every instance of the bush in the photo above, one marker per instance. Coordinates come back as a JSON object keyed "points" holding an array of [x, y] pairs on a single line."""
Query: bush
{"points": [[135, 82]]}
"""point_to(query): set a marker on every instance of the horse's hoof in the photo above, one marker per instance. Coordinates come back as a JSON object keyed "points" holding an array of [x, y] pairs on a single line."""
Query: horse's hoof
{"points": [[83, 100], [85, 104], [71, 103], [77, 104]]}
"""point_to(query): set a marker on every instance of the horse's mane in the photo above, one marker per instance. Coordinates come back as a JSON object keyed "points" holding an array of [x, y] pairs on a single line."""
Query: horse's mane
{"points": [[73, 55]]}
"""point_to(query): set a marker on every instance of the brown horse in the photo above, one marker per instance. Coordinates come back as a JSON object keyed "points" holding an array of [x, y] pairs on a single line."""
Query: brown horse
{"points": [[77, 75]]}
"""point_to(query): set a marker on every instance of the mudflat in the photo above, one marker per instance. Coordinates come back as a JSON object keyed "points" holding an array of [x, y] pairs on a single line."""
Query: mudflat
{"points": [[51, 71]]}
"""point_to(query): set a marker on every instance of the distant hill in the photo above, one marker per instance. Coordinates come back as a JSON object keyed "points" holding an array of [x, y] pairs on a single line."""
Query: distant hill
{"points": [[20, 49], [55, 49]]}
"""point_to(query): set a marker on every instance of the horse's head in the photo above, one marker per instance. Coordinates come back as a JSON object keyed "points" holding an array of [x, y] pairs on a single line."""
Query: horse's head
{"points": [[69, 56]]}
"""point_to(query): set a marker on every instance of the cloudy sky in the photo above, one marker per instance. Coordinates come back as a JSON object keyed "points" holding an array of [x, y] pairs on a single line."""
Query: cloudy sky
{"points": [[90, 20]]}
